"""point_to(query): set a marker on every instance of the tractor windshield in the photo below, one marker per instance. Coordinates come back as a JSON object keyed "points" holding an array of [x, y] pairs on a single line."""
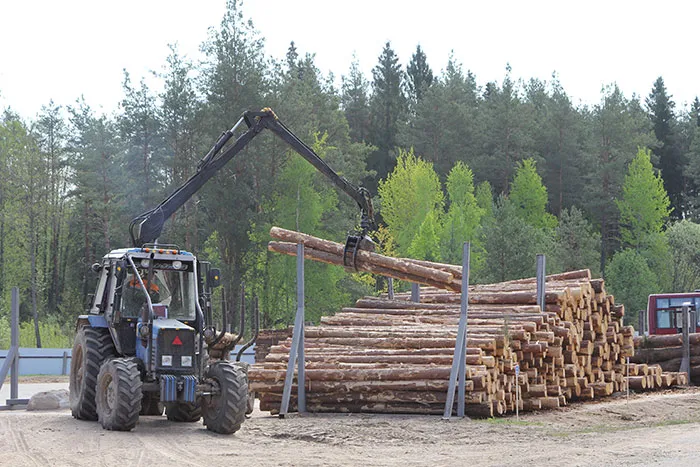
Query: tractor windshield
{"points": [[172, 292]]}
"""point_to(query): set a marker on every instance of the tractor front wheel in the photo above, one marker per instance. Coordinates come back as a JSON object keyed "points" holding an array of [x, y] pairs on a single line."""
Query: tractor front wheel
{"points": [[92, 346], [119, 394], [225, 412]]}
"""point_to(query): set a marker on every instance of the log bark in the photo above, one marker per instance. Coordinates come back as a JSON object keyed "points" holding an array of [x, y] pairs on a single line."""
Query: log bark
{"points": [[363, 256]]}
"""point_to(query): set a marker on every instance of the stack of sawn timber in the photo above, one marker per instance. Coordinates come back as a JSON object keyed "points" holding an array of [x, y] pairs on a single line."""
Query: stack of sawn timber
{"points": [[666, 351], [395, 356]]}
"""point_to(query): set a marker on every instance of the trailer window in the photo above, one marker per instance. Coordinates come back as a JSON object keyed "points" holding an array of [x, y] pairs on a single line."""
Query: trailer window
{"points": [[665, 319]]}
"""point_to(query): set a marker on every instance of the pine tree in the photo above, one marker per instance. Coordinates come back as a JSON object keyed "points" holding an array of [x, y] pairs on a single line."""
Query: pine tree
{"points": [[355, 101], [444, 127], [559, 137], [507, 133], [661, 112], [618, 126], [50, 133], [387, 112], [179, 113], [419, 75]]}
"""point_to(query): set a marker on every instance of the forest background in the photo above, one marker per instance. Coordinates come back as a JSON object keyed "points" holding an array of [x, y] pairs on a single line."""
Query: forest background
{"points": [[513, 166]]}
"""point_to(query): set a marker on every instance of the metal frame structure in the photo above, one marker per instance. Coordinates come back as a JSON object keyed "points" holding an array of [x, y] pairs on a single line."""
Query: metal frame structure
{"points": [[12, 360], [459, 360], [296, 353]]}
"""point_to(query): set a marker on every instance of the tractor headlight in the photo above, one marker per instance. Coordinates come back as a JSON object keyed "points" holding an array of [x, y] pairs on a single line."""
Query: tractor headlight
{"points": [[177, 264], [186, 360], [166, 360], [145, 263]]}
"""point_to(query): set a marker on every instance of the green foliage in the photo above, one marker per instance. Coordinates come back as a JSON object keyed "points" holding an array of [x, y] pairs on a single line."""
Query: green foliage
{"points": [[644, 207], [666, 149], [484, 198], [529, 196], [426, 243], [53, 335], [419, 74], [388, 107], [684, 243], [511, 245], [576, 243], [463, 220], [630, 279], [408, 195]]}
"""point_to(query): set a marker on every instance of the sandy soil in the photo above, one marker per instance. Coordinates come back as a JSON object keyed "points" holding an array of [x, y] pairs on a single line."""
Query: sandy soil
{"points": [[654, 429]]}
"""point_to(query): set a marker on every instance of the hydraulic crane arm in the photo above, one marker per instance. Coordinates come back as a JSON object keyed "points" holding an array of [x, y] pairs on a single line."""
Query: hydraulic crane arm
{"points": [[146, 228]]}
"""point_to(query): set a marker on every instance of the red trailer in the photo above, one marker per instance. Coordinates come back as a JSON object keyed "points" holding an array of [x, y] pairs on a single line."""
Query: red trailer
{"points": [[663, 311]]}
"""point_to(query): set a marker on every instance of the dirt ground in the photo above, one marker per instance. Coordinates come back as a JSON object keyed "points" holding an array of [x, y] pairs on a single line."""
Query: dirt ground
{"points": [[650, 429]]}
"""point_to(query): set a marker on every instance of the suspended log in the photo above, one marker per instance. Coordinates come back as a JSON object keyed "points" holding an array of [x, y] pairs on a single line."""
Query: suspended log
{"points": [[329, 258], [363, 256]]}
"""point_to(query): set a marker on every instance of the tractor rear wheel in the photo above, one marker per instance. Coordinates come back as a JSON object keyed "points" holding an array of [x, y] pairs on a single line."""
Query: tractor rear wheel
{"points": [[119, 394], [225, 412], [151, 404], [91, 347], [183, 411]]}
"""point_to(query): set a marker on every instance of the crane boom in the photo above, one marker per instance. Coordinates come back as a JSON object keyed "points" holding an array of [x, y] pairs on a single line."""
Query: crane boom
{"points": [[146, 227]]}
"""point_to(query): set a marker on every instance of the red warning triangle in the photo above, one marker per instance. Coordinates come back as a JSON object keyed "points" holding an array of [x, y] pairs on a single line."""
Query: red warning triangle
{"points": [[177, 341]]}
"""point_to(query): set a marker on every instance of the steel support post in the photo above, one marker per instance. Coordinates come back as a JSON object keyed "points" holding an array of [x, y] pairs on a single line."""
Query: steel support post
{"points": [[540, 281], [391, 288], [14, 343], [460, 354], [297, 349], [685, 320], [415, 292]]}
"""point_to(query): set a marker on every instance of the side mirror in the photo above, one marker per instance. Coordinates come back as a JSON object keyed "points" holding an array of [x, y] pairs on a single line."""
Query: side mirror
{"points": [[213, 278]]}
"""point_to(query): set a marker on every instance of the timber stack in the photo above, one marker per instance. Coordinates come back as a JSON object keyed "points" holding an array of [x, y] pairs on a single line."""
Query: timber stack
{"points": [[395, 355], [666, 351]]}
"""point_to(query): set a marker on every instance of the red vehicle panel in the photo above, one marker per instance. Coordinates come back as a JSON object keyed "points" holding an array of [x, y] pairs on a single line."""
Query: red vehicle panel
{"points": [[662, 311]]}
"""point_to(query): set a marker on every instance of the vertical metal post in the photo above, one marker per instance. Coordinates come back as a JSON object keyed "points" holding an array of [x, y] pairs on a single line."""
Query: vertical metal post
{"points": [[460, 353], [14, 343], [64, 363], [297, 343], [540, 280], [391, 288], [628, 380], [301, 373], [415, 292], [685, 319]]}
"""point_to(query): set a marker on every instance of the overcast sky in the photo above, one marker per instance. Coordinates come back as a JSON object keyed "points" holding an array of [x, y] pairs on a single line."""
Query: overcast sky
{"points": [[61, 49]]}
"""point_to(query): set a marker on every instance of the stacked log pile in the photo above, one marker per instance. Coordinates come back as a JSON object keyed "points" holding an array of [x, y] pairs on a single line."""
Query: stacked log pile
{"points": [[395, 355], [666, 351], [267, 338]]}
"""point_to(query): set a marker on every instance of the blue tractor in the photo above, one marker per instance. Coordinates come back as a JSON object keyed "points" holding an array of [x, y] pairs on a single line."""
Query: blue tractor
{"points": [[148, 339]]}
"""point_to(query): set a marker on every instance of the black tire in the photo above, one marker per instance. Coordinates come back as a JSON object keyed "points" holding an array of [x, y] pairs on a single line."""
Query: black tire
{"points": [[151, 404], [185, 412], [118, 395], [250, 403], [91, 347], [225, 412]]}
